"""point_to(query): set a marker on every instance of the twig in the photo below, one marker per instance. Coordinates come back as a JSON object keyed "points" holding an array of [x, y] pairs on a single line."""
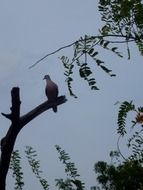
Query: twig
{"points": [[92, 37], [51, 54], [118, 147]]}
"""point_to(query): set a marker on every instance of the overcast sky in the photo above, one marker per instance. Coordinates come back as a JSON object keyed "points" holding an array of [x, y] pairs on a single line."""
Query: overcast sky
{"points": [[84, 127]]}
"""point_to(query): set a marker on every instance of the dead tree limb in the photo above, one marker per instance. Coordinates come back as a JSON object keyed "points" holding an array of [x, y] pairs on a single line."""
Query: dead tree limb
{"points": [[17, 123]]}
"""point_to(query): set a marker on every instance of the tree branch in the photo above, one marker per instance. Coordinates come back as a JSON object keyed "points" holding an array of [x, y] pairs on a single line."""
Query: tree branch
{"points": [[81, 40], [69, 45], [40, 109], [17, 123], [7, 143]]}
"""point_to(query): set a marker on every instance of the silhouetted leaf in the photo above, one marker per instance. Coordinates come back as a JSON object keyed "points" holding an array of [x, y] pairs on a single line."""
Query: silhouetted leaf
{"points": [[98, 61], [113, 75], [91, 51], [15, 166], [122, 115], [106, 44], [35, 166], [94, 88], [114, 49], [105, 69], [94, 54]]}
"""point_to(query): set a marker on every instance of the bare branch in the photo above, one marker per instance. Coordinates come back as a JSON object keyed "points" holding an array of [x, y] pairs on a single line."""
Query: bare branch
{"points": [[7, 142], [52, 54], [40, 109]]}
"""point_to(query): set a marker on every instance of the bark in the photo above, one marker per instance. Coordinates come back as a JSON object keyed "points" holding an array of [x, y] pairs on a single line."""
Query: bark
{"points": [[17, 123]]}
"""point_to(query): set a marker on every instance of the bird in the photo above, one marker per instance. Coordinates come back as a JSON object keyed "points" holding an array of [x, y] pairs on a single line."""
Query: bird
{"points": [[51, 90]]}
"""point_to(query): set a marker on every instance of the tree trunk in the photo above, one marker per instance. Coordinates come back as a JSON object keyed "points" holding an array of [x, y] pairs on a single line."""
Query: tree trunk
{"points": [[17, 123]]}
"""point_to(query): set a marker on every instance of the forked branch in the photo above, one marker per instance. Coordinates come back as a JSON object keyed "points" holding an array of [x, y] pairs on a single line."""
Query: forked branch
{"points": [[17, 123]]}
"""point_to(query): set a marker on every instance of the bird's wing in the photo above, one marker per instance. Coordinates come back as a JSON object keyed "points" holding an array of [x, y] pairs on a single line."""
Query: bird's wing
{"points": [[51, 90]]}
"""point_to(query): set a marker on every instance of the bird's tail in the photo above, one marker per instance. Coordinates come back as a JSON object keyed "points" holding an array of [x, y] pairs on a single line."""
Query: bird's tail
{"points": [[55, 109]]}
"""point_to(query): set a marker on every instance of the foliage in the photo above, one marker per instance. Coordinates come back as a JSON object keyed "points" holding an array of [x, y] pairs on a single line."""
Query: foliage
{"points": [[72, 181], [125, 176], [68, 72], [123, 23], [123, 18], [125, 107], [135, 141], [85, 49], [35, 166], [15, 166], [116, 175]]}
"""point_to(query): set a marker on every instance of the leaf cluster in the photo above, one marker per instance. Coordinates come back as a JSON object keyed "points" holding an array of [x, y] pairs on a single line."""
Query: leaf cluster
{"points": [[127, 175], [124, 108], [136, 143], [85, 51], [68, 73], [72, 181], [35, 166], [123, 23], [123, 18], [15, 166], [135, 139]]}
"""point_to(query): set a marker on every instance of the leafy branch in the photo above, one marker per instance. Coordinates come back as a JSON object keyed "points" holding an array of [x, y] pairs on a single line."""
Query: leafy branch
{"points": [[35, 166], [71, 172], [123, 23], [86, 48], [124, 108], [15, 166], [100, 36], [135, 142], [123, 18]]}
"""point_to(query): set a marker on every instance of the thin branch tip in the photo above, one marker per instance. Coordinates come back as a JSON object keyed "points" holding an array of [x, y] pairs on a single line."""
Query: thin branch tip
{"points": [[92, 37]]}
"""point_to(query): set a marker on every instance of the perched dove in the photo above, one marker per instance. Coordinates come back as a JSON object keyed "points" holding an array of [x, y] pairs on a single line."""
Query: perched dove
{"points": [[51, 90]]}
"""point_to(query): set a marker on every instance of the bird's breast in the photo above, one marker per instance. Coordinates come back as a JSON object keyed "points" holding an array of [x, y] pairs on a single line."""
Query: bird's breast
{"points": [[51, 90]]}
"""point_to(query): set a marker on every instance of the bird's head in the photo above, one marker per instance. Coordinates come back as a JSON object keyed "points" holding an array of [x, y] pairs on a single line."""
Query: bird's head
{"points": [[46, 77]]}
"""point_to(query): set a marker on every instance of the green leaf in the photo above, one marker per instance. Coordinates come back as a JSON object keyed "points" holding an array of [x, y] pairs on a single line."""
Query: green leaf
{"points": [[91, 51], [106, 44], [15, 166], [70, 168], [91, 83], [35, 166], [81, 73], [113, 75], [98, 61], [140, 109], [94, 54], [101, 42], [84, 72], [114, 49], [94, 88], [87, 71], [105, 69]]}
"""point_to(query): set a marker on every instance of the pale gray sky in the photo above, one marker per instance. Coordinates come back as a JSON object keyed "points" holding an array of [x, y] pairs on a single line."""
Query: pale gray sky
{"points": [[84, 127]]}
